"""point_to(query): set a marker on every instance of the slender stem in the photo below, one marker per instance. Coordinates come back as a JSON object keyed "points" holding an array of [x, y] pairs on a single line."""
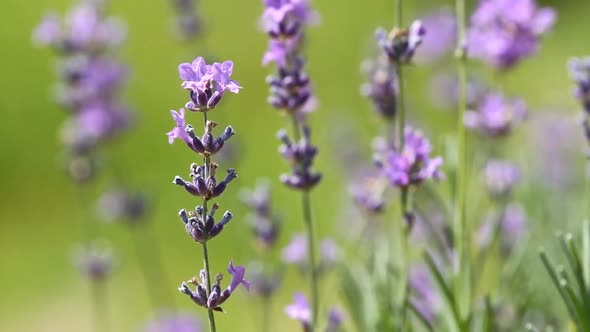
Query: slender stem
{"points": [[207, 165], [462, 280], [399, 16], [99, 306], [401, 123], [312, 259], [266, 313]]}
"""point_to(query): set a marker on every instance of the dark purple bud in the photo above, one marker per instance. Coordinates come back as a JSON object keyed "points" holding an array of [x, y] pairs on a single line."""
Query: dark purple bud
{"points": [[199, 100], [214, 100], [209, 224], [227, 216], [183, 216], [197, 145], [208, 141], [190, 188]]}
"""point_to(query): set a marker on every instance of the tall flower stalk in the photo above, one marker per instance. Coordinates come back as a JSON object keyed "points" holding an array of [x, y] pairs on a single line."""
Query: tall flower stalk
{"points": [[284, 21], [206, 85]]}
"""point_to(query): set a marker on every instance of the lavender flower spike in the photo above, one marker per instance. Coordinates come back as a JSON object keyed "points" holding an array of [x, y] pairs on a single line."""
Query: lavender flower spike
{"points": [[400, 44], [496, 115], [504, 32], [207, 83], [413, 165], [382, 87]]}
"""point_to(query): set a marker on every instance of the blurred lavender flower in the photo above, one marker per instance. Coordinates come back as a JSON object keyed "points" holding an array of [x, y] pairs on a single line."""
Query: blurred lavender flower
{"points": [[207, 83], [399, 45], [501, 177], [512, 227], [217, 296], [413, 165], [503, 32], [300, 311], [95, 260], [170, 322], [120, 204], [187, 22], [444, 91], [441, 38], [84, 29], [265, 224], [424, 293], [261, 284], [301, 156], [580, 73], [335, 319], [296, 253], [382, 87], [368, 192], [496, 115]]}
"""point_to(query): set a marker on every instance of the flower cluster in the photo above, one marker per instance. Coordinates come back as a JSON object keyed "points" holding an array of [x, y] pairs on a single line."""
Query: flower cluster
{"points": [[206, 85], [90, 80], [496, 115], [214, 298], [187, 22], [300, 155], [299, 310], [399, 45], [504, 32], [413, 164], [382, 87], [580, 73]]}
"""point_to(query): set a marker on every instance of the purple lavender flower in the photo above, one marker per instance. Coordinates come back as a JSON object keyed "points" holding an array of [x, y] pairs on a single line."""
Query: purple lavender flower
{"points": [[335, 319], [382, 87], [301, 156], [188, 23], [84, 30], [95, 260], [399, 45], [496, 115], [207, 188], [262, 284], [122, 205], [512, 227], [170, 322], [424, 294], [504, 32], [368, 193], [296, 253], [300, 311], [501, 177], [203, 228], [217, 296], [207, 83], [441, 38], [265, 224], [444, 90], [413, 165]]}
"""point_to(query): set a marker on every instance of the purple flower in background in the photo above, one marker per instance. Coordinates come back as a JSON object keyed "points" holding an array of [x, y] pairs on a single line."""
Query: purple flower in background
{"points": [[299, 310], [441, 38], [411, 166], [262, 284], [444, 91], [296, 252], [580, 73], [122, 205], [503, 32], [207, 83], [264, 223], [512, 223], [368, 192], [424, 294], [84, 30], [217, 296], [501, 177], [382, 87], [171, 322], [95, 260], [399, 45], [496, 115], [335, 319], [188, 23]]}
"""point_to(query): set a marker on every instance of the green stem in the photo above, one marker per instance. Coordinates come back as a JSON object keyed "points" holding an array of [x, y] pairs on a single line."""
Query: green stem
{"points": [[207, 161], [99, 306], [401, 123], [462, 280], [266, 313]]}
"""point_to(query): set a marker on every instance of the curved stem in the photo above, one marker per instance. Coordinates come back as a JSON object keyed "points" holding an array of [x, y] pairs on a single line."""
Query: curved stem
{"points": [[462, 280]]}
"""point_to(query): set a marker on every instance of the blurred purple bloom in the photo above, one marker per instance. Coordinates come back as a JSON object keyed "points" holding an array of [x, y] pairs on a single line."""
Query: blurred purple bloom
{"points": [[501, 177], [122, 205], [425, 296], [173, 322], [335, 319], [399, 45], [296, 251], [580, 73], [264, 223], [207, 83], [368, 192], [95, 260], [441, 38], [188, 23], [84, 30], [496, 115], [512, 227], [503, 32], [217, 296], [382, 87], [413, 165], [300, 310], [262, 284], [444, 90]]}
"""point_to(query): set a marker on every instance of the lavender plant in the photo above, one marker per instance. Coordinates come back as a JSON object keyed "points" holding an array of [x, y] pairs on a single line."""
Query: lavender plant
{"points": [[206, 85]]}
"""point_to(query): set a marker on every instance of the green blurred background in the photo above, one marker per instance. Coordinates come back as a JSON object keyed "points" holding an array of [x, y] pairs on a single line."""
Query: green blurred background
{"points": [[40, 208]]}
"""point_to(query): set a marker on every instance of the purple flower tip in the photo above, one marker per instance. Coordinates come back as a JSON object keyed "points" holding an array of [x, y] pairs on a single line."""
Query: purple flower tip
{"points": [[237, 273], [299, 309]]}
